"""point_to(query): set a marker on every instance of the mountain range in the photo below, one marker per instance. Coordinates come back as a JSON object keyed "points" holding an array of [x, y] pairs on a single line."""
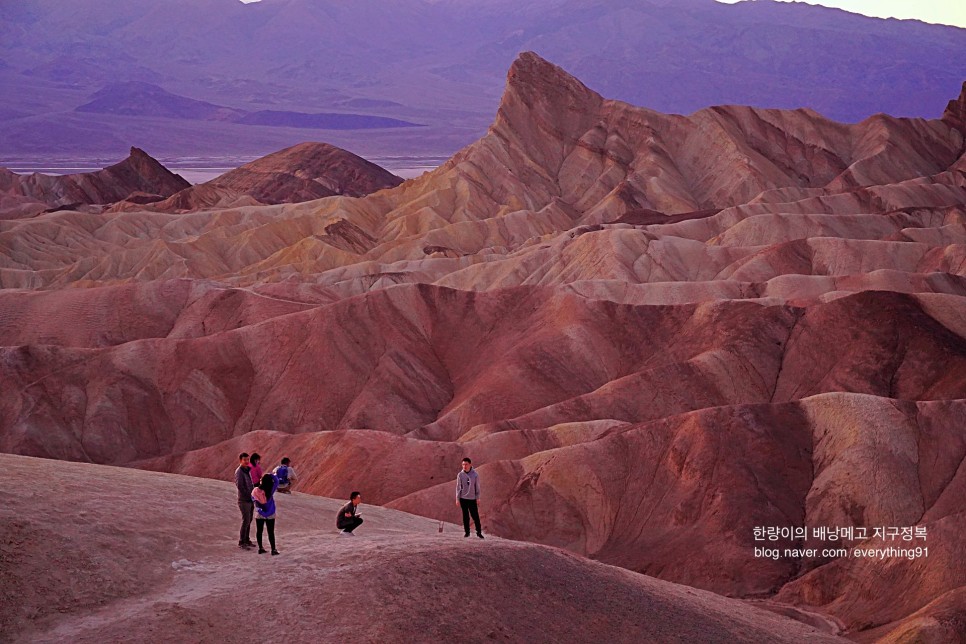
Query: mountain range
{"points": [[439, 63], [653, 333], [135, 98]]}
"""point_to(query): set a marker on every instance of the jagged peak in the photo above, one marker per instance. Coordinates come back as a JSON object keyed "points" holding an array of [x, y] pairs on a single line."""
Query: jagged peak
{"points": [[139, 158], [529, 68], [534, 77], [141, 162], [152, 176], [540, 94], [955, 114]]}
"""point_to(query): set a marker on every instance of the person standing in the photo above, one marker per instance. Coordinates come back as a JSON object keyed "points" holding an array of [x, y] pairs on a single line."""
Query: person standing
{"points": [[256, 461], [243, 481], [264, 498], [286, 476], [348, 519], [468, 497]]}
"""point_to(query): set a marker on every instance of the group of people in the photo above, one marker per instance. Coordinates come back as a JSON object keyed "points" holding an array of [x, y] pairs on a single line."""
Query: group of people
{"points": [[257, 489], [256, 497]]}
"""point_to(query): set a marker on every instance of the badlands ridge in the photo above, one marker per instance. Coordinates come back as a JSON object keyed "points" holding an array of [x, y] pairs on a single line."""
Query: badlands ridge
{"points": [[652, 332]]}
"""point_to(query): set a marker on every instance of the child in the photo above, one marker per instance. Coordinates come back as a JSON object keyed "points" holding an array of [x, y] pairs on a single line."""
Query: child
{"points": [[264, 498], [286, 476], [256, 472]]}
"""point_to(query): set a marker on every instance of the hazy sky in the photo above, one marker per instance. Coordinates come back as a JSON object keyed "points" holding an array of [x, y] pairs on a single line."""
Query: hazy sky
{"points": [[947, 12]]}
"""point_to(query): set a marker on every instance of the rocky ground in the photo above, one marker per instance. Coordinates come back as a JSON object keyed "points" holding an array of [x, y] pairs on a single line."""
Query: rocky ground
{"points": [[92, 553]]}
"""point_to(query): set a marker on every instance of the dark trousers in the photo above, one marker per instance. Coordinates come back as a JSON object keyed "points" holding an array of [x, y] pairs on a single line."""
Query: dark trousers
{"points": [[247, 510], [259, 523], [468, 506], [349, 524]]}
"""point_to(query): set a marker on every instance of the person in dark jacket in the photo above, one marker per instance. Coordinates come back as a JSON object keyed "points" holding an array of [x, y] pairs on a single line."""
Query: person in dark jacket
{"points": [[348, 519], [264, 497], [243, 481], [468, 496]]}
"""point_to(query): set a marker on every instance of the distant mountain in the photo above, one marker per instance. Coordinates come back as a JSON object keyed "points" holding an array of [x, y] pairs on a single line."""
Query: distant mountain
{"points": [[441, 62], [322, 120], [307, 171], [136, 98], [369, 103], [302, 172], [139, 177]]}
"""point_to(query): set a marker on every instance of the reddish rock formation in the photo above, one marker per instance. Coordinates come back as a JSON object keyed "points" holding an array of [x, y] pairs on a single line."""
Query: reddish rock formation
{"points": [[955, 113], [302, 172], [652, 332], [197, 197], [540, 172], [307, 171], [136, 175]]}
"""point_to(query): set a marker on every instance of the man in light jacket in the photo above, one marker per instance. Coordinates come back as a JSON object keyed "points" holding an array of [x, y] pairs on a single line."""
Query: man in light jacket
{"points": [[468, 496]]}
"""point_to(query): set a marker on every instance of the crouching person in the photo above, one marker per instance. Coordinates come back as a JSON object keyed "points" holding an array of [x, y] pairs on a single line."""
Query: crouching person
{"points": [[286, 476], [349, 519]]}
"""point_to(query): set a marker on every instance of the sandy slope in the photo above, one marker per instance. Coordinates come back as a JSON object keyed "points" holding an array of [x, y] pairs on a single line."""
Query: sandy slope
{"points": [[92, 554]]}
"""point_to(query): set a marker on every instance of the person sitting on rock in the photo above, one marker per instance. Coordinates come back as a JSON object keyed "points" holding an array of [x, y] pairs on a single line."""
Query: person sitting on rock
{"points": [[264, 498], [286, 476], [349, 519]]}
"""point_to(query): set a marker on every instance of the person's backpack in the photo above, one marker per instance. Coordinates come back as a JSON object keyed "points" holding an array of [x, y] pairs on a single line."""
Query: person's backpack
{"points": [[282, 473]]}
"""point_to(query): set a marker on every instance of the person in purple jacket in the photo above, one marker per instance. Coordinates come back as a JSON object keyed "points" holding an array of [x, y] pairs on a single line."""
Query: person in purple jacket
{"points": [[264, 498]]}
